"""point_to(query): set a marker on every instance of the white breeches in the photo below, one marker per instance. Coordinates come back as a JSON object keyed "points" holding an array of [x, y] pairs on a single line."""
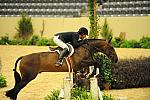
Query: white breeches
{"points": [[60, 43]]}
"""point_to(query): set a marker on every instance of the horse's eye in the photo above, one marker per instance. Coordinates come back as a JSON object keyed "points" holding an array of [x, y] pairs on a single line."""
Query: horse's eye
{"points": [[111, 47]]}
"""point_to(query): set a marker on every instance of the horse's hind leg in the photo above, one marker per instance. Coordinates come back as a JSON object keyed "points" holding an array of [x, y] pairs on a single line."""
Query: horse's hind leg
{"points": [[24, 81], [17, 81]]}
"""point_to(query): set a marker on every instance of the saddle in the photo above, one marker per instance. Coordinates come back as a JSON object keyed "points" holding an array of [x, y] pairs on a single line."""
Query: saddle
{"points": [[59, 49]]}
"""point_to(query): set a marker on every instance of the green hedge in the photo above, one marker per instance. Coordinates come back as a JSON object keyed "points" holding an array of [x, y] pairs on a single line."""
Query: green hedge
{"points": [[144, 42], [131, 73], [35, 40], [127, 73]]}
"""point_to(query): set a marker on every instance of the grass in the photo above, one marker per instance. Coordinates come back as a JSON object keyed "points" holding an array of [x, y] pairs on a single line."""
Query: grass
{"points": [[3, 82], [77, 93]]}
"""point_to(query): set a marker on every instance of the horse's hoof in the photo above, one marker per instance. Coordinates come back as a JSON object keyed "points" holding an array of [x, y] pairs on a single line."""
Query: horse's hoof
{"points": [[9, 93]]}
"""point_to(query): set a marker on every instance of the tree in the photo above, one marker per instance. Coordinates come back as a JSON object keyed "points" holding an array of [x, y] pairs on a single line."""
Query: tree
{"points": [[106, 32], [94, 27], [25, 28], [93, 19]]}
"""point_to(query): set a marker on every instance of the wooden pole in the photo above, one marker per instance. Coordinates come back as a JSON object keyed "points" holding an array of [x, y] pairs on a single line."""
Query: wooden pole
{"points": [[95, 17], [94, 88], [67, 88], [0, 65]]}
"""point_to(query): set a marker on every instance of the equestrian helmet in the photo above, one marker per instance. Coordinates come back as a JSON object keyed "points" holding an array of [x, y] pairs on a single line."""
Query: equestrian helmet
{"points": [[83, 30]]}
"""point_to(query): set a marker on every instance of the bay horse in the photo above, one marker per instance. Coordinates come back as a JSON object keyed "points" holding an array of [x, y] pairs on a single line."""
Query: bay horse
{"points": [[32, 64]]}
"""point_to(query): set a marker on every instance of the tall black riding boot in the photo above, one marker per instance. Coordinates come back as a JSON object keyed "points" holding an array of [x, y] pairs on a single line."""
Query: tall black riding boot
{"points": [[64, 53]]}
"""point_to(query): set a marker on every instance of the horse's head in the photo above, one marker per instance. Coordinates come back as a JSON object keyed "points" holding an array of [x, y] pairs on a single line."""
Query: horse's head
{"points": [[110, 51], [99, 45]]}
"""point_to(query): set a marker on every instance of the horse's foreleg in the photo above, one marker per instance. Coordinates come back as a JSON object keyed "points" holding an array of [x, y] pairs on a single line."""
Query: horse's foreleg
{"points": [[90, 63]]}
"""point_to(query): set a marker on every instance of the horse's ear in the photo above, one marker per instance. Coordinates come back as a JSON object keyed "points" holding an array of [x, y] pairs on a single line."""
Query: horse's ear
{"points": [[110, 40]]}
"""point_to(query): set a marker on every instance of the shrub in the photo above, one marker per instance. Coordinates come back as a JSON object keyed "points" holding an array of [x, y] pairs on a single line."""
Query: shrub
{"points": [[107, 97], [46, 42], [24, 42], [93, 28], [52, 42], [34, 40], [4, 40], [105, 67], [131, 73], [25, 28], [3, 82], [117, 42], [106, 32], [53, 96], [79, 93], [145, 42], [14, 42], [43, 42], [130, 44]]}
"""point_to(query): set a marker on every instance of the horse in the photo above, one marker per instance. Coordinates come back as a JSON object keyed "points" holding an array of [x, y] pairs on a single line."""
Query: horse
{"points": [[33, 64]]}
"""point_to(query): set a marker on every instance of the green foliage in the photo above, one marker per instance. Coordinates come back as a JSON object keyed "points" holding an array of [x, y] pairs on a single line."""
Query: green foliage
{"points": [[145, 42], [105, 66], [14, 42], [116, 42], [3, 82], [34, 40], [23, 42], [53, 96], [130, 44], [131, 73], [107, 97], [52, 43], [93, 33], [106, 33], [25, 28], [4, 40], [43, 42], [79, 93]]}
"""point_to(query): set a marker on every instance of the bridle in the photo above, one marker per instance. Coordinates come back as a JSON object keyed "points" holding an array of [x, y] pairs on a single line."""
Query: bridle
{"points": [[87, 48], [96, 48]]}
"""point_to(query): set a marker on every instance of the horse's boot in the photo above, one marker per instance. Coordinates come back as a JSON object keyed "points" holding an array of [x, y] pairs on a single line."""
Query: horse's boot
{"points": [[63, 54]]}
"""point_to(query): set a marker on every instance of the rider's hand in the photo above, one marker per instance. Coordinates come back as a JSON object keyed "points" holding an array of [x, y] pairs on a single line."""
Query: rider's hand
{"points": [[85, 41]]}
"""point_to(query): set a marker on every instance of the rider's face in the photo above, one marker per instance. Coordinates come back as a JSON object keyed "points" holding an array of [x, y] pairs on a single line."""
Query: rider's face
{"points": [[82, 36]]}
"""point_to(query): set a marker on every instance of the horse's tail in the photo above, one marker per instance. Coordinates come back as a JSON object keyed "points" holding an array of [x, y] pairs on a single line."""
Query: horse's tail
{"points": [[16, 74]]}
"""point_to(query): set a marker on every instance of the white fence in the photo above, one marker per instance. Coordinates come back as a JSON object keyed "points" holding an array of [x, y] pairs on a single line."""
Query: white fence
{"points": [[65, 93]]}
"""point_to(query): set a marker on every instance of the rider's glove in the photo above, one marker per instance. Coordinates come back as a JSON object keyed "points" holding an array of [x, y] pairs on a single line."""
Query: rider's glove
{"points": [[85, 41]]}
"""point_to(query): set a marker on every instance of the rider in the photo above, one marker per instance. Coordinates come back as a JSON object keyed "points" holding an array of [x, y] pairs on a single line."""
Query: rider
{"points": [[69, 37]]}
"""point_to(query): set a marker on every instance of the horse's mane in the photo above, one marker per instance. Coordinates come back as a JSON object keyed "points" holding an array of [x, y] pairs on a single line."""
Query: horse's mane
{"points": [[96, 39], [89, 40], [92, 41]]}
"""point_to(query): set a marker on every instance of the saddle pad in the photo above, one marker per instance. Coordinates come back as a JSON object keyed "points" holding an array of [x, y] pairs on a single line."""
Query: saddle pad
{"points": [[58, 50]]}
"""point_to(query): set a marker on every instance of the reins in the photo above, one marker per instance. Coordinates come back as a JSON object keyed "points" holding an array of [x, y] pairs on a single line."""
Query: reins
{"points": [[90, 46]]}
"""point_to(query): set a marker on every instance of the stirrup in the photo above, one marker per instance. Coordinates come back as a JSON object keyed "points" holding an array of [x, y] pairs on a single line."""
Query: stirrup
{"points": [[57, 64]]}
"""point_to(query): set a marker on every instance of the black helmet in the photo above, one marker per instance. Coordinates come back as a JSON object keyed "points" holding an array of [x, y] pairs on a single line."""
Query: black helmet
{"points": [[83, 30]]}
